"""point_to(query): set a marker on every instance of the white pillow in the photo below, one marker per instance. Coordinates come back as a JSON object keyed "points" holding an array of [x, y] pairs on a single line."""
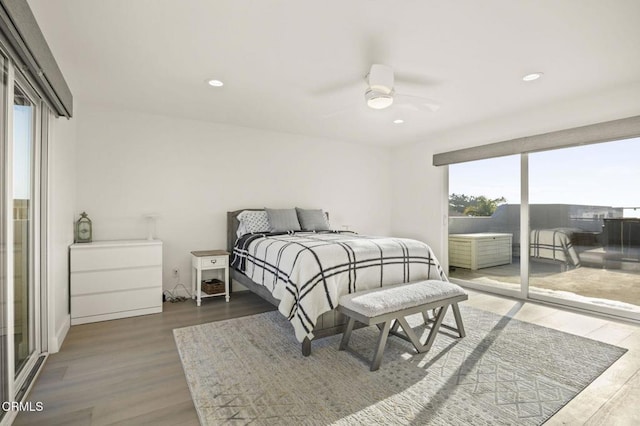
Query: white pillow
{"points": [[253, 221]]}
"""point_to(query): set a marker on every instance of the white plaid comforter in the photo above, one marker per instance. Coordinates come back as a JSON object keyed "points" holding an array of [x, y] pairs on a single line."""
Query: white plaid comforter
{"points": [[308, 272]]}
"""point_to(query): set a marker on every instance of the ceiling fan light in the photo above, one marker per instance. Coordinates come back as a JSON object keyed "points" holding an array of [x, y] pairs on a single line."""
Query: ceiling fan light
{"points": [[377, 100], [533, 76], [380, 102]]}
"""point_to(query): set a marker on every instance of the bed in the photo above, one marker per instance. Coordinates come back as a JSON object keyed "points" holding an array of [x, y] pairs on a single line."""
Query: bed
{"points": [[305, 273], [555, 245]]}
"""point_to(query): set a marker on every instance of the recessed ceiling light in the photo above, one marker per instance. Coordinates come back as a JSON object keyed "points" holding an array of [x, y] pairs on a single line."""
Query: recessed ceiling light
{"points": [[532, 77], [398, 121], [215, 83]]}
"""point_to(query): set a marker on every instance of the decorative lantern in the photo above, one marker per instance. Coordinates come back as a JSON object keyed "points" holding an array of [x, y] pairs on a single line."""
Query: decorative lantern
{"points": [[84, 230]]}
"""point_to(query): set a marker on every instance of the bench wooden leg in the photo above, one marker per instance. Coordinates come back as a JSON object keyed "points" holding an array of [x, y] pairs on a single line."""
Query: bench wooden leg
{"points": [[434, 329], [347, 334], [409, 335], [459, 328], [458, 317], [382, 341], [427, 319], [306, 347]]}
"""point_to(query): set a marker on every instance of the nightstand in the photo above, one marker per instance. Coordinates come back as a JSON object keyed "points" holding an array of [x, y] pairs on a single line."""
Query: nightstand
{"points": [[205, 261]]}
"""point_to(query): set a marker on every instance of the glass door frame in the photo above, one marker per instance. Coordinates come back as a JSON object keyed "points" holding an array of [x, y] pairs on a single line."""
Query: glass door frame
{"points": [[523, 293], [5, 269], [16, 382], [503, 291]]}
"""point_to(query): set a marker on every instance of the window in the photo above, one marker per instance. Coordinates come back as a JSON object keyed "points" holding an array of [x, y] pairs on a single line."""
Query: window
{"points": [[484, 222], [23, 227], [578, 217], [585, 231]]}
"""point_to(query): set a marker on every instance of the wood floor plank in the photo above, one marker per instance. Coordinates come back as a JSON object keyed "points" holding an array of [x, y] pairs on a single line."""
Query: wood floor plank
{"points": [[183, 414], [615, 412], [127, 371], [71, 418]]}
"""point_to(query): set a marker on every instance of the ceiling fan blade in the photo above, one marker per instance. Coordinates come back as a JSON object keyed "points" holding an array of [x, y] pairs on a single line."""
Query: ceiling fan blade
{"points": [[341, 111], [415, 79], [418, 102], [337, 87]]}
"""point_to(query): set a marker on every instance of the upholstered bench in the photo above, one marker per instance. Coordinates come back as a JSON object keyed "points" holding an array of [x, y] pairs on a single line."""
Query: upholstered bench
{"points": [[386, 305]]}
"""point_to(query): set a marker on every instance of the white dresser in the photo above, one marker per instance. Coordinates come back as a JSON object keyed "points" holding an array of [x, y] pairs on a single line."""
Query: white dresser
{"points": [[115, 279], [481, 250]]}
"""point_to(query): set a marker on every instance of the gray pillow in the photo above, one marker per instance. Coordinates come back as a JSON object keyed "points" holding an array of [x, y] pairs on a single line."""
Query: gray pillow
{"points": [[282, 220], [312, 220]]}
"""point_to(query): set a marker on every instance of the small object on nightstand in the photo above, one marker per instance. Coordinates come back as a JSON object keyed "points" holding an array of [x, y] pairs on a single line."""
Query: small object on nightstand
{"points": [[205, 261]]}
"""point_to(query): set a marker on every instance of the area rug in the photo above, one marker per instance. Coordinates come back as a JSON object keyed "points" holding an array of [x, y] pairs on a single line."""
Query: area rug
{"points": [[250, 370]]}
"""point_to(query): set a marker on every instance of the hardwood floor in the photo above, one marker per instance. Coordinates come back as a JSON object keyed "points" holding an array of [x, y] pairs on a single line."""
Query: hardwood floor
{"points": [[128, 371]]}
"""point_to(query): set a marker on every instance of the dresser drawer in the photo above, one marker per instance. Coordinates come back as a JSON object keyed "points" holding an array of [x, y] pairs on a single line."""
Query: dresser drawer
{"points": [[88, 282], [88, 305], [101, 258]]}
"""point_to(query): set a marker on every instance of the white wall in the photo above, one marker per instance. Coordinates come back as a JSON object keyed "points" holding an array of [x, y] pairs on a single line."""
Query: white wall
{"points": [[419, 204], [191, 173], [416, 193], [62, 196]]}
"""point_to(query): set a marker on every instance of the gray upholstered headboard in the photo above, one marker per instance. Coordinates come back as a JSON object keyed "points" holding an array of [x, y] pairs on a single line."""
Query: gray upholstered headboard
{"points": [[232, 227]]}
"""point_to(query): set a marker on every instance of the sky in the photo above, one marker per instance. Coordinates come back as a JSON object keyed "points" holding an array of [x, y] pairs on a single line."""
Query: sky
{"points": [[606, 174], [22, 151]]}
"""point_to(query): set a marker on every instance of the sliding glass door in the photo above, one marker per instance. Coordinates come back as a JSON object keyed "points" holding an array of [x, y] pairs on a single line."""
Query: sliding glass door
{"points": [[22, 169], [5, 375], [580, 243], [484, 222], [585, 224], [24, 203]]}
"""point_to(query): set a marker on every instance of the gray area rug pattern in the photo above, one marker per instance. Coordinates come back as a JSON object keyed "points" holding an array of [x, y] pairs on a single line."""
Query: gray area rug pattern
{"points": [[250, 370]]}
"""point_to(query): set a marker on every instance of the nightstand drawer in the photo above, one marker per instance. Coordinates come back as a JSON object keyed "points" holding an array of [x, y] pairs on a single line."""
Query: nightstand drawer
{"points": [[213, 261]]}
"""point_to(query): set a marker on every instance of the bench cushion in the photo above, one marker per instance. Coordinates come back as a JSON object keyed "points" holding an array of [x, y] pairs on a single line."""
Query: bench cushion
{"points": [[380, 301]]}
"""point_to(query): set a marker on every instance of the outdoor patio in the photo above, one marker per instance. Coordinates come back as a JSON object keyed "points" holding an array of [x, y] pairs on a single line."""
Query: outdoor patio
{"points": [[620, 285]]}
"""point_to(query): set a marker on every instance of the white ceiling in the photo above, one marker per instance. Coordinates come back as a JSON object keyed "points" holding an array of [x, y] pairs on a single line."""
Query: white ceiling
{"points": [[286, 64]]}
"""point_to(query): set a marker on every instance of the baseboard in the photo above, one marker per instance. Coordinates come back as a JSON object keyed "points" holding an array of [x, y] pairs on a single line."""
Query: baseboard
{"points": [[55, 342]]}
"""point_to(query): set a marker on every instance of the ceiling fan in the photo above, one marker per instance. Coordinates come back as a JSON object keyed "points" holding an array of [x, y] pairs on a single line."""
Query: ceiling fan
{"points": [[380, 93]]}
